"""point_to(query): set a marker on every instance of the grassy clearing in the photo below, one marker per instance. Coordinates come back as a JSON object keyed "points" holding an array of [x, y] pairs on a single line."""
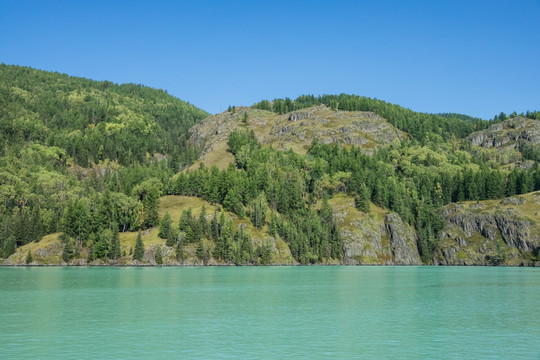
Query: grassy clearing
{"points": [[176, 204], [218, 157]]}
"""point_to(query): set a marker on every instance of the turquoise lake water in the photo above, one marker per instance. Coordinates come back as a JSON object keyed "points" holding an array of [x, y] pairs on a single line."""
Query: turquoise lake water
{"points": [[270, 313]]}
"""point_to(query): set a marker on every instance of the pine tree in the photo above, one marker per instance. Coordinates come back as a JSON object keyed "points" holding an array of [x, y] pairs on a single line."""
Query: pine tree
{"points": [[91, 254], [272, 228], [68, 252], [159, 256], [29, 258], [214, 227], [232, 202], [165, 226], [36, 225], [363, 198], [180, 250], [171, 238], [203, 224], [257, 213], [10, 246], [200, 250], [138, 253], [185, 220], [115, 244]]}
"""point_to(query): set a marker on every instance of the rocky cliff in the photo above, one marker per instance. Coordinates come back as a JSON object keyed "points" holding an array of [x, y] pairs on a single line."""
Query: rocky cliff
{"points": [[377, 238], [508, 138], [494, 232]]}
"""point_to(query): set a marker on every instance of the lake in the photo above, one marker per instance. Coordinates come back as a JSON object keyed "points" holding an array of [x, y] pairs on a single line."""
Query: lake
{"points": [[270, 313]]}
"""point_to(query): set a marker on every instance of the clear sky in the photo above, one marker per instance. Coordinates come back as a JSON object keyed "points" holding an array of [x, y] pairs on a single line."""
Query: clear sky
{"points": [[472, 57]]}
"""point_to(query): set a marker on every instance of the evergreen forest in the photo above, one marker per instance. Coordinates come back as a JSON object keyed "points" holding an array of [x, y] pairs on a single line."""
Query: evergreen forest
{"points": [[91, 160]]}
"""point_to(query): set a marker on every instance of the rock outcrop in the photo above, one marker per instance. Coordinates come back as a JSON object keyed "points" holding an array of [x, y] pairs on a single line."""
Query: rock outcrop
{"points": [[403, 242], [500, 232], [295, 130], [379, 238], [508, 134], [508, 138]]}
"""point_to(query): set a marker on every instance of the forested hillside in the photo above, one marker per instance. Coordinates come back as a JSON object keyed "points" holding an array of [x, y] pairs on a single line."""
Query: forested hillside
{"points": [[316, 180], [84, 157]]}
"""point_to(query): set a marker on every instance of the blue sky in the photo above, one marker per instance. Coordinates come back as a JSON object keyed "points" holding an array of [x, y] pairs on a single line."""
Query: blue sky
{"points": [[472, 57]]}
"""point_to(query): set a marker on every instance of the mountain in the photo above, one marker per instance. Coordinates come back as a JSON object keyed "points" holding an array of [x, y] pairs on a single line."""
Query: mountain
{"points": [[70, 144], [92, 121], [98, 173]]}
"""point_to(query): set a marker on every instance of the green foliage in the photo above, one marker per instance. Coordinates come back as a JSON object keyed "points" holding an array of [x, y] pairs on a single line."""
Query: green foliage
{"points": [[92, 121], [239, 139], [159, 256], [103, 244], [29, 258], [69, 252], [264, 254], [9, 247], [422, 127], [180, 251], [138, 253], [115, 252], [257, 212], [171, 238], [501, 253], [165, 226], [81, 156], [408, 178], [363, 198], [185, 220], [148, 193]]}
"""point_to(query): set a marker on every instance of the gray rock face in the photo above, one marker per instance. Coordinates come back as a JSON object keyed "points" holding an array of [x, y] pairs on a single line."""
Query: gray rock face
{"points": [[512, 229], [508, 134], [371, 240], [515, 200], [477, 236], [403, 241]]}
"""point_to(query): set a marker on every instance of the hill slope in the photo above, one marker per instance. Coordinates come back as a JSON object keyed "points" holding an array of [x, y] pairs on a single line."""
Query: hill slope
{"points": [[90, 120], [70, 144], [97, 169], [294, 130]]}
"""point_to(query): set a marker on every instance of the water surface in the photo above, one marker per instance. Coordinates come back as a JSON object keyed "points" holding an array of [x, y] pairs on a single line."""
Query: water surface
{"points": [[270, 313]]}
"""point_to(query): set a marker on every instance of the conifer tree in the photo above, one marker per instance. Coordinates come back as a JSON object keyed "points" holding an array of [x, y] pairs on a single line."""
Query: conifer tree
{"points": [[29, 258], [363, 198], [203, 224], [138, 253], [115, 244], [200, 250], [171, 238], [165, 226], [180, 250], [91, 254], [214, 227], [159, 256], [10, 246], [68, 252], [185, 220]]}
